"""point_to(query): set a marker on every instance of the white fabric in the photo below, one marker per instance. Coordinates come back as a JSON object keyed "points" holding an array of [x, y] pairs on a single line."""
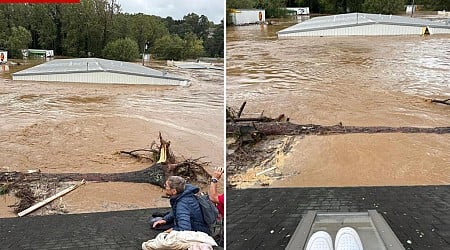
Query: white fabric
{"points": [[200, 246], [179, 240]]}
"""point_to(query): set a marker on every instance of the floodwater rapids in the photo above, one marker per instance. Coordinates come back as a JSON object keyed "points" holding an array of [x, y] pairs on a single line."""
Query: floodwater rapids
{"points": [[77, 127], [359, 81]]}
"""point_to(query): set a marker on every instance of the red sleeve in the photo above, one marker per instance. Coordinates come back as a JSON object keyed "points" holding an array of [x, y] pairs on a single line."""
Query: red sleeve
{"points": [[220, 205]]}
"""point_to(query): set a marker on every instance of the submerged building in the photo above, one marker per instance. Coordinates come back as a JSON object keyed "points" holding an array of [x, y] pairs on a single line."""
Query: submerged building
{"points": [[362, 24], [95, 70], [247, 16], [3, 57]]}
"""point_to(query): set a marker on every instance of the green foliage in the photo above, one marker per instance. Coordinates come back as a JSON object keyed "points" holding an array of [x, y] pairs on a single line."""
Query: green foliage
{"points": [[122, 50], [144, 29], [193, 47], [272, 7], [19, 39], [433, 4], [173, 47], [240, 4], [383, 6], [214, 45], [169, 47], [85, 29]]}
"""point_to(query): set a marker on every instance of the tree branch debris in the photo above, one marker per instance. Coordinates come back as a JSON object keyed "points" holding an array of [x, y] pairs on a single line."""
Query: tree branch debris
{"points": [[26, 186], [256, 142]]}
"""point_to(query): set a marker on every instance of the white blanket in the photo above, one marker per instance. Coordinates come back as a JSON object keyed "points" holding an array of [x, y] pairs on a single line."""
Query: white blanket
{"points": [[178, 240]]}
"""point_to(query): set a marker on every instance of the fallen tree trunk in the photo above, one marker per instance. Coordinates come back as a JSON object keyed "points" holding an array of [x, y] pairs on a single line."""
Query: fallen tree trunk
{"points": [[164, 165], [287, 128], [447, 101], [155, 174], [252, 128]]}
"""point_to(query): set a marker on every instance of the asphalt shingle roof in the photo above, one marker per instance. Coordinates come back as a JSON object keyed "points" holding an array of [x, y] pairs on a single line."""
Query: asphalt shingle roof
{"points": [[109, 230], [266, 218]]}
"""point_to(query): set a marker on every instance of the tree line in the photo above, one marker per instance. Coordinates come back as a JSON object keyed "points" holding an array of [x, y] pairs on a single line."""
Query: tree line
{"points": [[99, 28], [275, 8]]}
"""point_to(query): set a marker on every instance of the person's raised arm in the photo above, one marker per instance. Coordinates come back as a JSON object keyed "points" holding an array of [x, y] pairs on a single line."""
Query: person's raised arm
{"points": [[213, 194]]}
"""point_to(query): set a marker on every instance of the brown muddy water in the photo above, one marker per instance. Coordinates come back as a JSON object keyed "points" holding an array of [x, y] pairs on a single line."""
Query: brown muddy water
{"points": [[361, 81], [70, 127]]}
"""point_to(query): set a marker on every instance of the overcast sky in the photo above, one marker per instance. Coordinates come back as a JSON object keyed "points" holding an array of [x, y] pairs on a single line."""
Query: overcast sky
{"points": [[177, 9]]}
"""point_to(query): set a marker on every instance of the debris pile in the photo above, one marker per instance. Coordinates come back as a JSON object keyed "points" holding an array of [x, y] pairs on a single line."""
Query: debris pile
{"points": [[33, 186]]}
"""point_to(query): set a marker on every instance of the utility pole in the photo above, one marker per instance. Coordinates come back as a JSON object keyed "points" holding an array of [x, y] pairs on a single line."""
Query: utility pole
{"points": [[143, 53]]}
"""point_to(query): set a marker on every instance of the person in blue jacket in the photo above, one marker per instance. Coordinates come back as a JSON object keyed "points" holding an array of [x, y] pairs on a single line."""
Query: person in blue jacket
{"points": [[186, 214]]}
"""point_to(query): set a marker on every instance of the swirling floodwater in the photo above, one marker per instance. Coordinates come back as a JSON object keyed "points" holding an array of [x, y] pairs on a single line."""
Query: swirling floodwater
{"points": [[76, 127], [359, 81]]}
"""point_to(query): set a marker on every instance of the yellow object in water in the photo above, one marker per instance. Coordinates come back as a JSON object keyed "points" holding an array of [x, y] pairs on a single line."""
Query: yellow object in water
{"points": [[425, 31], [162, 155]]}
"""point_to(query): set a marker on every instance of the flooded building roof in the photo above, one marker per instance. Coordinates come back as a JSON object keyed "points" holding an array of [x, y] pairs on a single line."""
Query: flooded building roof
{"points": [[363, 24], [96, 70], [196, 65]]}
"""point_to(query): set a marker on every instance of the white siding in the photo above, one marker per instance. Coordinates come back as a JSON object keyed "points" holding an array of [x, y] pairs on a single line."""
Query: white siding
{"points": [[241, 17], [367, 30], [300, 10], [100, 77]]}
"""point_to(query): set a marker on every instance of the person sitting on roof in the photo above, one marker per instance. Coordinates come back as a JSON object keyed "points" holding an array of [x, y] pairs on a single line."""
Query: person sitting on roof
{"points": [[186, 214]]}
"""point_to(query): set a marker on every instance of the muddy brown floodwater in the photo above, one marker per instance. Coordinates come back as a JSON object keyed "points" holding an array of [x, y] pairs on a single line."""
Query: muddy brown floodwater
{"points": [[361, 81], [69, 127]]}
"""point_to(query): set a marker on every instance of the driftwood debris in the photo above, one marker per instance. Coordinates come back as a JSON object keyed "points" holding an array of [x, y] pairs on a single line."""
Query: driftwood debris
{"points": [[286, 128], [256, 127], [265, 171], [155, 174], [257, 141], [447, 101], [50, 199], [164, 164]]}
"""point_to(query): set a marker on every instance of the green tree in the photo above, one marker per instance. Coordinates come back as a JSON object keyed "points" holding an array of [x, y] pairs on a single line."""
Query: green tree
{"points": [[193, 47], [19, 39], [355, 5], [146, 29], [240, 4], [433, 4], [85, 29], [273, 8], [43, 26], [169, 47], [122, 50], [214, 44], [82, 28], [199, 25], [384, 6], [327, 6]]}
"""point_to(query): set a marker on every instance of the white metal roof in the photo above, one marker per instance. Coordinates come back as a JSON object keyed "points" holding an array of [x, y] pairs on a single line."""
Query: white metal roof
{"points": [[196, 65], [359, 19], [91, 65]]}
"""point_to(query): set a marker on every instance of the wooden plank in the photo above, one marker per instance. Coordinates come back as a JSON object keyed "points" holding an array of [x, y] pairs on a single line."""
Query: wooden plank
{"points": [[265, 171], [50, 199]]}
